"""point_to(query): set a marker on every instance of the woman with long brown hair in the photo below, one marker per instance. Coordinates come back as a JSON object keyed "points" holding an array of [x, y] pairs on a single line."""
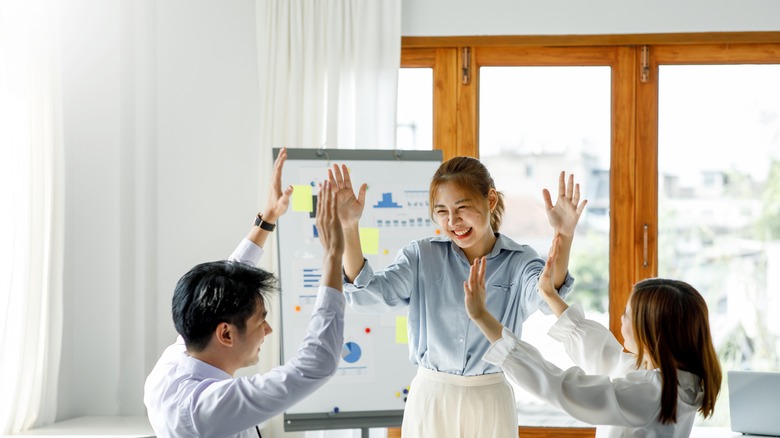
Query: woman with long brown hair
{"points": [[670, 372]]}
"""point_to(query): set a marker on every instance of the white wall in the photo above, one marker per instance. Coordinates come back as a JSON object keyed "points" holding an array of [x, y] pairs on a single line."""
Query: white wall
{"points": [[577, 17], [160, 115], [160, 120], [91, 89]]}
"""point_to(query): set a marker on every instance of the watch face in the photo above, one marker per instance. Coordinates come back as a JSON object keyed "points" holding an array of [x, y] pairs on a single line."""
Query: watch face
{"points": [[258, 220]]}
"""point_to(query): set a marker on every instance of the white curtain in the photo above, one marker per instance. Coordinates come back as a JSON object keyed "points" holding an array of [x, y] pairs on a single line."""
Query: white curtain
{"points": [[329, 72], [328, 79], [31, 213]]}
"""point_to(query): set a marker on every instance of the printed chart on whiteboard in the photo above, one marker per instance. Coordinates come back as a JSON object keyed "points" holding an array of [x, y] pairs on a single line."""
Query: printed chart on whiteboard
{"points": [[374, 374]]}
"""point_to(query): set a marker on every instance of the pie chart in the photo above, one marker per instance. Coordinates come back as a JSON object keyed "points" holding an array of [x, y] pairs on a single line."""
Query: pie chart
{"points": [[351, 352]]}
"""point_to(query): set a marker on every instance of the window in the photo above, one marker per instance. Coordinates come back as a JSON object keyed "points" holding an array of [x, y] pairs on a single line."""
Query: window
{"points": [[415, 109], [667, 111], [719, 230], [549, 119]]}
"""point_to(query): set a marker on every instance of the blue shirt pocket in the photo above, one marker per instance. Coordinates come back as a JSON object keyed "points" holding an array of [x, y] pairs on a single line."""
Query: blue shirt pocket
{"points": [[502, 287], [498, 298]]}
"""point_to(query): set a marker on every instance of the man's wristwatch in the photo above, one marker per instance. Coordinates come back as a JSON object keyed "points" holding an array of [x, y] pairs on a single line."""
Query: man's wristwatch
{"points": [[259, 222]]}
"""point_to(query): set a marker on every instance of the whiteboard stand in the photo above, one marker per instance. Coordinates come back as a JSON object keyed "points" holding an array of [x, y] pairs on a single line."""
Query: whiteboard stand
{"points": [[345, 420]]}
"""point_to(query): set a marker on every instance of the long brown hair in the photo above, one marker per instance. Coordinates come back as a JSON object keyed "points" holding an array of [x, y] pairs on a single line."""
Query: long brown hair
{"points": [[671, 326], [471, 176]]}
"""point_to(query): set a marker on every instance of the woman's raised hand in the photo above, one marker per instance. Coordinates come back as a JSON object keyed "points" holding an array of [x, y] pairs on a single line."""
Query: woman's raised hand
{"points": [[350, 206], [474, 289], [565, 214]]}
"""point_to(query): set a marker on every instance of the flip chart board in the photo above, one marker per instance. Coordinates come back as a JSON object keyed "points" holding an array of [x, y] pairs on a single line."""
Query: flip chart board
{"points": [[370, 387]]}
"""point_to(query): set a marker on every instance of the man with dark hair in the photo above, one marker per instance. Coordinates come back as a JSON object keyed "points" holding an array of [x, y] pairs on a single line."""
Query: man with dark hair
{"points": [[219, 310]]}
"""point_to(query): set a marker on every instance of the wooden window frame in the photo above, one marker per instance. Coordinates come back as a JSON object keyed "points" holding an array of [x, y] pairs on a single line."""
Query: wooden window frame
{"points": [[634, 125]]}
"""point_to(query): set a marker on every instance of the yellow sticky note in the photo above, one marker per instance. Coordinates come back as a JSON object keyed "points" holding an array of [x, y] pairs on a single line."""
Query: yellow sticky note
{"points": [[301, 198], [401, 334], [369, 240]]}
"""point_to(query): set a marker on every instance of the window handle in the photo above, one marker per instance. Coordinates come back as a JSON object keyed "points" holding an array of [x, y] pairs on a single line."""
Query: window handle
{"points": [[644, 250]]}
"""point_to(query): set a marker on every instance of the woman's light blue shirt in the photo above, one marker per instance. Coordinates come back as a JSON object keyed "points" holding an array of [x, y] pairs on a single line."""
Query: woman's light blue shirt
{"points": [[428, 274]]}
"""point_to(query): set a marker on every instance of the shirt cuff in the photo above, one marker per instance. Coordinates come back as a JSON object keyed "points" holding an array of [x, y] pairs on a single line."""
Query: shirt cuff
{"points": [[498, 351], [330, 299], [563, 291], [247, 252], [567, 323], [363, 277], [566, 287]]}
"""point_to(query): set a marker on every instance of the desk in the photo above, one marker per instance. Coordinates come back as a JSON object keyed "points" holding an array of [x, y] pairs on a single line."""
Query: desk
{"points": [[107, 427], [718, 432]]}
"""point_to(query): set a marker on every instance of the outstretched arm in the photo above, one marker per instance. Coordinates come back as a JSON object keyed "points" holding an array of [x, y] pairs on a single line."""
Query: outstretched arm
{"points": [[350, 209], [474, 292], [250, 250], [563, 217], [331, 236], [546, 287], [278, 201]]}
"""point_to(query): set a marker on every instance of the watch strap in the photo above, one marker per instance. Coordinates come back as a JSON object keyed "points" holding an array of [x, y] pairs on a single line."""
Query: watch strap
{"points": [[259, 222]]}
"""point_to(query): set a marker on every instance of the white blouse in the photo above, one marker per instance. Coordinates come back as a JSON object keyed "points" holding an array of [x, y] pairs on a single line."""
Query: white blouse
{"points": [[605, 388]]}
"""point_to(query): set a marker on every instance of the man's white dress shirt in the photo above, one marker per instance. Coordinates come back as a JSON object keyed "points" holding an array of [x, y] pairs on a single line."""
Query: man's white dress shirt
{"points": [[186, 397]]}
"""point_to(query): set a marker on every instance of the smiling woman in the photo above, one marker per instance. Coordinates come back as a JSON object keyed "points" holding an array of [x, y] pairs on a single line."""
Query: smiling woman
{"points": [[31, 220], [427, 276], [466, 205]]}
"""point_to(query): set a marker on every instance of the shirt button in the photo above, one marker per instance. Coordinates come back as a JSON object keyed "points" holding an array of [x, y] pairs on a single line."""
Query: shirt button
{"points": [[460, 340]]}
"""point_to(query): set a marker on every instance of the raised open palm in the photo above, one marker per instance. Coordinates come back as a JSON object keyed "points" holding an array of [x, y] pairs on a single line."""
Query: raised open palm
{"points": [[566, 212], [350, 206]]}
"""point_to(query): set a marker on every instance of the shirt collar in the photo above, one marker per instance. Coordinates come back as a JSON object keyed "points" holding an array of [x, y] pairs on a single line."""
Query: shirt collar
{"points": [[689, 387], [503, 243], [197, 367]]}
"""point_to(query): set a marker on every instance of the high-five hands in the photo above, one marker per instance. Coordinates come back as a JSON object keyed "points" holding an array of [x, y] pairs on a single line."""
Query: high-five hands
{"points": [[328, 223], [331, 236], [546, 286], [474, 289], [475, 298], [546, 280]]}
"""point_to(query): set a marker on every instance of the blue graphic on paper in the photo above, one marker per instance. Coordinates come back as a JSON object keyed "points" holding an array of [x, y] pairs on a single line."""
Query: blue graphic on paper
{"points": [[387, 202], [351, 352]]}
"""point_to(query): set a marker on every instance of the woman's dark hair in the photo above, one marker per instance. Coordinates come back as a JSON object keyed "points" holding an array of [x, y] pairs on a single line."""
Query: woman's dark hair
{"points": [[471, 176], [216, 292], [671, 326]]}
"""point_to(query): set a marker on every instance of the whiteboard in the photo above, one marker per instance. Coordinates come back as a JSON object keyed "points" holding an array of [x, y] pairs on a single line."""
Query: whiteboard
{"points": [[373, 378]]}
